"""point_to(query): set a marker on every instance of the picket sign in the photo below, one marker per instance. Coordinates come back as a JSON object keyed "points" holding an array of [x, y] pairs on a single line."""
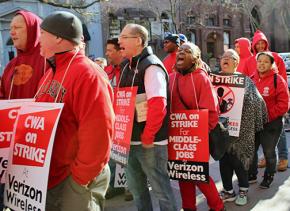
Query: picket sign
{"points": [[188, 148], [124, 107], [8, 114], [230, 89], [120, 177], [30, 154]]}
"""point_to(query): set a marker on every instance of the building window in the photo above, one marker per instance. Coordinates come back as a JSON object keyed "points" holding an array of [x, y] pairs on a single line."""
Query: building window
{"points": [[166, 26], [166, 23], [210, 21], [226, 40], [115, 27], [190, 20], [193, 37], [227, 22], [255, 21]]}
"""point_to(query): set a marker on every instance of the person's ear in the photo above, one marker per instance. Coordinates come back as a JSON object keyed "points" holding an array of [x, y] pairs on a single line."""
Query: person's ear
{"points": [[194, 60], [139, 40], [58, 40], [236, 63]]}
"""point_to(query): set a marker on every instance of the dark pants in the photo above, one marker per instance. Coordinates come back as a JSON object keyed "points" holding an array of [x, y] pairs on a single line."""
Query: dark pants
{"points": [[268, 138], [228, 165], [282, 146]]}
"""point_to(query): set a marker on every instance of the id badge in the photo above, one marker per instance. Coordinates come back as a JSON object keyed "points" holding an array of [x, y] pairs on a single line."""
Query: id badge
{"points": [[141, 107]]}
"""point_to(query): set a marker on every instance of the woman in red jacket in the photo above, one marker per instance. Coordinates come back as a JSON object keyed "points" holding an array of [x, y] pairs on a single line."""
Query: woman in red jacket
{"points": [[274, 90], [189, 79]]}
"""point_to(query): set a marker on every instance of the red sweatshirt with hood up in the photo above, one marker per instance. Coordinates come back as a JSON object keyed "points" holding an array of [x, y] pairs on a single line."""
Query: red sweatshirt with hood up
{"points": [[27, 68], [251, 64], [245, 52]]}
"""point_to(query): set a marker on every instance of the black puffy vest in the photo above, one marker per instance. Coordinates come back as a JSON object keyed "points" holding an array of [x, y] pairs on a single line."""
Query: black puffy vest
{"points": [[146, 58]]}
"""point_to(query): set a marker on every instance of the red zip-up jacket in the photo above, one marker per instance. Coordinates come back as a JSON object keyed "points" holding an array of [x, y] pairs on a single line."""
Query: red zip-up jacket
{"points": [[84, 133], [276, 99], [205, 94]]}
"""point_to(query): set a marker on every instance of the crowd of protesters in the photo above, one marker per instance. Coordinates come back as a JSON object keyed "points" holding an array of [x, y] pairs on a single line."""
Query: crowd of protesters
{"points": [[50, 54]]}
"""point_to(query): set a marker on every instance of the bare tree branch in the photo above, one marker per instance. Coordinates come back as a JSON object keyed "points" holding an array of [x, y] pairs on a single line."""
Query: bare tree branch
{"points": [[173, 13], [69, 6], [156, 9]]}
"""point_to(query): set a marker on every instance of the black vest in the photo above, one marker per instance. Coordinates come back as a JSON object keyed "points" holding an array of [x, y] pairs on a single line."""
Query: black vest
{"points": [[140, 63]]}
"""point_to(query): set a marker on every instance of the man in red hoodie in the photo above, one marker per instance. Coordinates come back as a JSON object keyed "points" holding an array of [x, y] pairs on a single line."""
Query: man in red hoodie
{"points": [[260, 44], [22, 74], [243, 48], [79, 174], [171, 43]]}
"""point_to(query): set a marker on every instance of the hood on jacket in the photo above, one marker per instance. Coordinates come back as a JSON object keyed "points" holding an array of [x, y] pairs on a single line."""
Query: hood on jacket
{"points": [[245, 47], [33, 30], [259, 35]]}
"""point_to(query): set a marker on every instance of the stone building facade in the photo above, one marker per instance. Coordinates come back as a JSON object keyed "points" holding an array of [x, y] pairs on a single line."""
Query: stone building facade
{"points": [[212, 24]]}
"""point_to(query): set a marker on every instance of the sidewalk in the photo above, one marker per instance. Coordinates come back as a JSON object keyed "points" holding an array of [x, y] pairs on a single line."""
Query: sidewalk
{"points": [[275, 198]]}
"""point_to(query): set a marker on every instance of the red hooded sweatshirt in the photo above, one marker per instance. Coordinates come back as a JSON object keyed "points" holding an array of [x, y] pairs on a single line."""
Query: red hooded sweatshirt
{"points": [[27, 68], [84, 132], [251, 64], [276, 99], [245, 52]]}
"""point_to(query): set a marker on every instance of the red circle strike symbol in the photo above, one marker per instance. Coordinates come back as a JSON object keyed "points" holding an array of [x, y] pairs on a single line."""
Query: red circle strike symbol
{"points": [[226, 98]]}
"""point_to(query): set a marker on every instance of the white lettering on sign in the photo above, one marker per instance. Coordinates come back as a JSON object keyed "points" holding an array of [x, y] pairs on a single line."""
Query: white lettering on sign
{"points": [[184, 124], [6, 136], [12, 114], [34, 122], [29, 152]]}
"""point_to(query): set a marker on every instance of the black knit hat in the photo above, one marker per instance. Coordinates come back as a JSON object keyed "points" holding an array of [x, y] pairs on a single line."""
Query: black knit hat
{"points": [[65, 25], [173, 38]]}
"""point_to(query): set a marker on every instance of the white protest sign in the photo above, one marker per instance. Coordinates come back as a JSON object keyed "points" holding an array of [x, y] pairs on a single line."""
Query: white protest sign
{"points": [[230, 89], [120, 177], [8, 114], [30, 154]]}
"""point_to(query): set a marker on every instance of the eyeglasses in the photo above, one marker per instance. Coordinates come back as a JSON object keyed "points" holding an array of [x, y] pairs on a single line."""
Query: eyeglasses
{"points": [[123, 37], [186, 50], [228, 57]]}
